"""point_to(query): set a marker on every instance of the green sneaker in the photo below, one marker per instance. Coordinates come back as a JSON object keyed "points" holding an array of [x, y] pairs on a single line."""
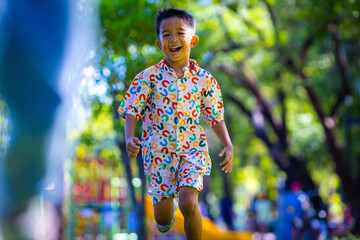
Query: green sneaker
{"points": [[166, 228]]}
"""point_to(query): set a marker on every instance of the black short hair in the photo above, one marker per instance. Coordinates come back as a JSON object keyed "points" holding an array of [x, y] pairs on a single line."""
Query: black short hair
{"points": [[173, 12]]}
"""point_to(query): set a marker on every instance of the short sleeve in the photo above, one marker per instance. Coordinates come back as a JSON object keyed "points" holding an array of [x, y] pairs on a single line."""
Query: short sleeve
{"points": [[212, 108], [136, 96]]}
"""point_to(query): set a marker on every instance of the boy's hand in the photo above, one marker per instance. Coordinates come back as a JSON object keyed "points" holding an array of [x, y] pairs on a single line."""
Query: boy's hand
{"points": [[227, 164], [132, 146]]}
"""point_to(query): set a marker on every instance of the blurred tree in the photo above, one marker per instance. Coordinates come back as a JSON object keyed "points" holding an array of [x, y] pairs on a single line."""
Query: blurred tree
{"points": [[289, 66], [127, 45], [286, 42]]}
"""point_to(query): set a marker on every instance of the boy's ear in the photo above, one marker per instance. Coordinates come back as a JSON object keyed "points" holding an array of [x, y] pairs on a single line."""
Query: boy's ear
{"points": [[158, 43], [194, 41]]}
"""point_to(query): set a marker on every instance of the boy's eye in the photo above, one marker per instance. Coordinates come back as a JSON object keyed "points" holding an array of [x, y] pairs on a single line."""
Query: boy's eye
{"points": [[181, 33], [166, 35]]}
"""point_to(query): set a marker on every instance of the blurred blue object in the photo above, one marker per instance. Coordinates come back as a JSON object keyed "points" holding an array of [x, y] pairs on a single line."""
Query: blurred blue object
{"points": [[32, 41]]}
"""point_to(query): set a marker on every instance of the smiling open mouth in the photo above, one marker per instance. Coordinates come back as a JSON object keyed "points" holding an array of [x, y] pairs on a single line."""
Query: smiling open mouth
{"points": [[175, 49]]}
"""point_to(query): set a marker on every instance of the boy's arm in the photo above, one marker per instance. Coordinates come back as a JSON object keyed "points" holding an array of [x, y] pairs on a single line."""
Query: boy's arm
{"points": [[228, 150], [132, 143]]}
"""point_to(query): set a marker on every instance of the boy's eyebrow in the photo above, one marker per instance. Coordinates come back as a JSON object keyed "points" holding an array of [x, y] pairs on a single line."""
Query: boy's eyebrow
{"points": [[180, 28]]}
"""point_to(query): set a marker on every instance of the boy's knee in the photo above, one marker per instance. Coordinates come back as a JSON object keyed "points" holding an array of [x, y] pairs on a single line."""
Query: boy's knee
{"points": [[188, 206]]}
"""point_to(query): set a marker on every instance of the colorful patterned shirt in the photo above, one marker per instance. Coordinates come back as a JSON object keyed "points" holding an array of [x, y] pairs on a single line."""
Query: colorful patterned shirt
{"points": [[170, 110]]}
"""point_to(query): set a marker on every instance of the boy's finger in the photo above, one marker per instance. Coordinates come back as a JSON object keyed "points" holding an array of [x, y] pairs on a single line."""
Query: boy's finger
{"points": [[133, 154], [229, 169], [136, 141], [223, 162], [133, 146], [135, 149], [227, 160], [227, 165], [231, 157], [228, 154], [130, 149], [226, 168], [222, 153]]}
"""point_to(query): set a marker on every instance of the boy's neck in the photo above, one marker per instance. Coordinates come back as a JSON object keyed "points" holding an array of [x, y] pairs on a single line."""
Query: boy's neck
{"points": [[178, 66]]}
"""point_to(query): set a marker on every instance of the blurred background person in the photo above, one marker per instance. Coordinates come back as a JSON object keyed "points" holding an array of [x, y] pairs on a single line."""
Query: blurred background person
{"points": [[262, 207], [291, 204]]}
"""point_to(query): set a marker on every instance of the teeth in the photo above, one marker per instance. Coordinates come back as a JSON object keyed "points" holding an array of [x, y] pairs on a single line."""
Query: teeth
{"points": [[173, 49]]}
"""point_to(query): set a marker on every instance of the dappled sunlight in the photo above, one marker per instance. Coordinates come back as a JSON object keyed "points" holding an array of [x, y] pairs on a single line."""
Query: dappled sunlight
{"points": [[290, 85]]}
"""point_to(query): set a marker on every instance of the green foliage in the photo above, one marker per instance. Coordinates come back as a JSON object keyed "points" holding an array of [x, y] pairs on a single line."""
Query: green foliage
{"points": [[242, 34], [125, 22], [128, 31], [98, 138]]}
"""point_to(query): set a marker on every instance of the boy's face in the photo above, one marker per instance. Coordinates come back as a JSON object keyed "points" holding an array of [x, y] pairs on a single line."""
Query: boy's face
{"points": [[176, 38]]}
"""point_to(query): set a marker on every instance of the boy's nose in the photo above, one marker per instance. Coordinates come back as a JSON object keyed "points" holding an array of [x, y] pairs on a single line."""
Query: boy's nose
{"points": [[173, 38]]}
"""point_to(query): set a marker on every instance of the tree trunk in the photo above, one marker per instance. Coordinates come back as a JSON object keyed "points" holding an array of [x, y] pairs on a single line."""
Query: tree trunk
{"points": [[204, 194], [227, 202], [141, 212], [138, 208], [328, 120], [294, 168]]}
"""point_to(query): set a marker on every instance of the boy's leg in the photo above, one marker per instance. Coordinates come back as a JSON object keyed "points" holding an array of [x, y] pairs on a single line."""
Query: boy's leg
{"points": [[164, 211], [188, 202]]}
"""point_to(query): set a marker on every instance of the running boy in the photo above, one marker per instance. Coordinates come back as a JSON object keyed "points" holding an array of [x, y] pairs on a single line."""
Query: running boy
{"points": [[169, 98]]}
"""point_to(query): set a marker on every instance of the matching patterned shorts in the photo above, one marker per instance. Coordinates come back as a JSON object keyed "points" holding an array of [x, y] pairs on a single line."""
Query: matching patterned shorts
{"points": [[162, 187]]}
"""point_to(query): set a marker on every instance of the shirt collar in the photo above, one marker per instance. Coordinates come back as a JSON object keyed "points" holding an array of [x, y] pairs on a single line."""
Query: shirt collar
{"points": [[189, 71]]}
